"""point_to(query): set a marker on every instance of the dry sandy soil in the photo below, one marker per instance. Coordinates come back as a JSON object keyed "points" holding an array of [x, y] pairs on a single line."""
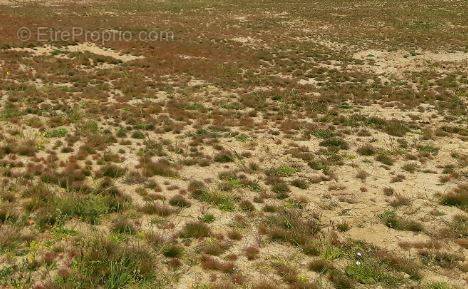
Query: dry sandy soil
{"points": [[254, 144]]}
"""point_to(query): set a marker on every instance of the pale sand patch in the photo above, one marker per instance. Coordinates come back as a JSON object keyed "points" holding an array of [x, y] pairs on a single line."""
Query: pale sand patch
{"points": [[396, 63], [47, 50], [93, 48], [190, 57], [196, 82], [249, 41], [240, 18], [384, 237], [310, 81]]}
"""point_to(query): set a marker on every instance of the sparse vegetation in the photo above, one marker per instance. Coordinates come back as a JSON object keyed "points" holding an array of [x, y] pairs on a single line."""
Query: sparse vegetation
{"points": [[249, 144]]}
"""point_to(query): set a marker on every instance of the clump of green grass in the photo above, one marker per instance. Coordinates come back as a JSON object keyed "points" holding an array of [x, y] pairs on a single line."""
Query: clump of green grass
{"points": [[106, 263], [207, 218], [323, 133], [222, 200], [56, 133], [392, 220], [335, 142], [378, 265], [343, 227], [367, 150], [138, 134], [88, 208], [195, 230], [428, 149], [291, 227], [369, 272], [282, 171]]}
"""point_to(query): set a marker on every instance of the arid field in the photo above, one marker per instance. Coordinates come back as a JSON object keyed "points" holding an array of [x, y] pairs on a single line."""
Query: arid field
{"points": [[215, 144]]}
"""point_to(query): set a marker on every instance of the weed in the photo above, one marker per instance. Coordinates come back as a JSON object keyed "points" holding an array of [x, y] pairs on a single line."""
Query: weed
{"points": [[195, 230], [211, 263], [340, 280], [122, 225], [343, 227], [172, 251], [220, 199], [179, 201], [337, 143], [207, 218], [246, 206], [388, 191], [214, 247], [440, 258], [458, 197], [251, 252], [235, 235], [300, 183], [384, 159], [156, 208], [289, 226], [367, 272], [399, 201], [391, 220], [56, 133], [112, 171], [159, 168], [106, 263], [320, 266], [224, 157]]}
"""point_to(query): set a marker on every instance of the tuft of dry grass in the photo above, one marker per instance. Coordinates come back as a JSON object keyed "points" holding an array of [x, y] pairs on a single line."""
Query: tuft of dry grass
{"points": [[458, 197]]}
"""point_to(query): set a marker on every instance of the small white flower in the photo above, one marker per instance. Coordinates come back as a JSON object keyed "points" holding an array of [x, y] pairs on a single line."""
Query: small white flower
{"points": [[358, 263]]}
